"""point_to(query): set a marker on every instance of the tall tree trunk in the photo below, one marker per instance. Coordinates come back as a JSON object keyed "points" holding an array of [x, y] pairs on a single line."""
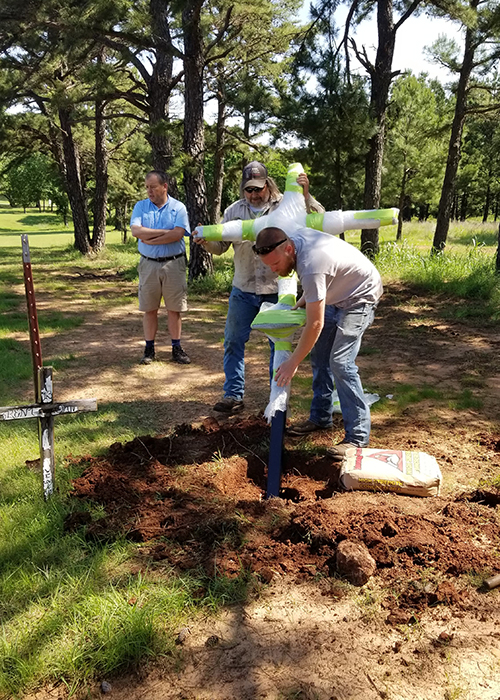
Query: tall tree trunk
{"points": [[337, 177], [497, 264], [381, 76], [159, 91], [73, 183], [463, 206], [200, 262], [486, 209], [124, 222], [101, 179], [402, 195], [446, 201], [215, 205]]}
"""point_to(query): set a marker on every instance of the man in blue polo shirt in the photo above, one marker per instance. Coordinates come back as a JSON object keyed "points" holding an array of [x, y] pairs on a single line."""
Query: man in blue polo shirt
{"points": [[160, 223]]}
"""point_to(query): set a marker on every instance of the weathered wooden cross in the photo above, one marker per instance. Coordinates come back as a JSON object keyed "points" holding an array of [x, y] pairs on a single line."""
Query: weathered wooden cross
{"points": [[44, 409]]}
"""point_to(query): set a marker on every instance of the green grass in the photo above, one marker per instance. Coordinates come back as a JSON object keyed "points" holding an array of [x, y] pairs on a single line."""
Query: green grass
{"points": [[73, 608], [404, 395], [462, 271], [45, 229]]}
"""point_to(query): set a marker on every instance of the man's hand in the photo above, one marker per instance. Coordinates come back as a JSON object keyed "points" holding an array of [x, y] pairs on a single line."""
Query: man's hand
{"points": [[300, 303], [198, 241], [285, 372], [303, 181], [315, 314]]}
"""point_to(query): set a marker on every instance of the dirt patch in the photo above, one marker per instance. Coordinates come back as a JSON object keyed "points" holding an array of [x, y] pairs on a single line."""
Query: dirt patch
{"points": [[199, 495]]}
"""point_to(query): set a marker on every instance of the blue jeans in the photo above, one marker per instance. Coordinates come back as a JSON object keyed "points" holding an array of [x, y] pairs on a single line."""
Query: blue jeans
{"points": [[333, 362], [243, 308]]}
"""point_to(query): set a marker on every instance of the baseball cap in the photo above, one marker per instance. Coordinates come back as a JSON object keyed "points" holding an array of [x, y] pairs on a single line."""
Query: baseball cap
{"points": [[254, 174]]}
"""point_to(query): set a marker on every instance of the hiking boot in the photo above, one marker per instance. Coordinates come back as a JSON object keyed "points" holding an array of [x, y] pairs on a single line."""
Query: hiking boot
{"points": [[306, 427], [338, 452], [229, 405], [148, 358], [178, 355]]}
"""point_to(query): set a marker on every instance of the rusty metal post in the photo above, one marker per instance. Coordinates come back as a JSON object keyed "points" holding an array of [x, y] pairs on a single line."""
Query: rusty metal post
{"points": [[36, 348]]}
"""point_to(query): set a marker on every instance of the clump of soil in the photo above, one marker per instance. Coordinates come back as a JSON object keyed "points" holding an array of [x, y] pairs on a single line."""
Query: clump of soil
{"points": [[197, 497]]}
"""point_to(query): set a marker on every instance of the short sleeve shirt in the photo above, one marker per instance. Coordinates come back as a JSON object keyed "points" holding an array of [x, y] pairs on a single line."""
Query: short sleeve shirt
{"points": [[173, 213], [334, 270]]}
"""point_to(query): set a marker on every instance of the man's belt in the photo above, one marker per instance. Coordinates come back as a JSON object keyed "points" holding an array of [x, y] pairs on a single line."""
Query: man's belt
{"points": [[161, 260]]}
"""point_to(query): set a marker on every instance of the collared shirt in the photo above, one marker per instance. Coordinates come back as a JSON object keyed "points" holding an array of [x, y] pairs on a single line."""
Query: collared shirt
{"points": [[334, 270], [173, 213], [250, 273]]}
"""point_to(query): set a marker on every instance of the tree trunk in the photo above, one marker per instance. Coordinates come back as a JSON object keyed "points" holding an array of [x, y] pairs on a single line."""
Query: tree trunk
{"points": [[200, 262], [73, 183], [159, 91], [246, 122], [124, 222], [486, 209], [497, 266], [402, 195], [463, 206], [215, 205], [381, 77], [446, 201], [337, 176], [101, 179]]}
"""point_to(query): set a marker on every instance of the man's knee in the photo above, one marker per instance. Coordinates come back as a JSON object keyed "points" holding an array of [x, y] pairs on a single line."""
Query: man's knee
{"points": [[342, 369]]}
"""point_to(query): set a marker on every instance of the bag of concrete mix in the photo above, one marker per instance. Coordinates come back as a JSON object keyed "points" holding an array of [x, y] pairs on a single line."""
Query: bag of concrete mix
{"points": [[410, 473]]}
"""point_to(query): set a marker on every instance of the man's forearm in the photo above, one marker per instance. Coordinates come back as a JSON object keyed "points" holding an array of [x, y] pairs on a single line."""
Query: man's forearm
{"points": [[314, 325], [159, 239], [307, 341], [157, 236]]}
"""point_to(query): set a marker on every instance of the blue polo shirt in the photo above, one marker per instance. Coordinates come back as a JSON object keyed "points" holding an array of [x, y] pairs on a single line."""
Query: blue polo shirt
{"points": [[173, 213]]}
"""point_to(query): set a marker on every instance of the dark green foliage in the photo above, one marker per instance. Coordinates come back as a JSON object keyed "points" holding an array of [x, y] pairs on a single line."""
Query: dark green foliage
{"points": [[328, 113]]}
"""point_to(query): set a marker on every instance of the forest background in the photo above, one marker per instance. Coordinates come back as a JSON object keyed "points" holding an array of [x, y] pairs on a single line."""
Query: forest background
{"points": [[92, 95]]}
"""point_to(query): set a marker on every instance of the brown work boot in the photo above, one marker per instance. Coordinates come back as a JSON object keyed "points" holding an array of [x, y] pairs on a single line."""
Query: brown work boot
{"points": [[229, 405], [305, 427], [338, 452]]}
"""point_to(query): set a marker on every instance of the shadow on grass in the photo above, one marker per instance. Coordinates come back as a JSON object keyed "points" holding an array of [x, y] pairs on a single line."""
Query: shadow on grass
{"points": [[16, 366], [13, 320], [34, 234], [42, 219]]}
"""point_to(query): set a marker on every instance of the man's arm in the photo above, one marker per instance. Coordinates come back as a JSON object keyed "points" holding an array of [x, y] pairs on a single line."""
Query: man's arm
{"points": [[214, 247], [157, 236], [312, 205], [315, 315]]}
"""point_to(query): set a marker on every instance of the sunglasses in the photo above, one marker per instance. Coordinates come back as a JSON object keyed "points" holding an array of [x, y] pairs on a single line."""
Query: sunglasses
{"points": [[254, 189], [265, 249]]}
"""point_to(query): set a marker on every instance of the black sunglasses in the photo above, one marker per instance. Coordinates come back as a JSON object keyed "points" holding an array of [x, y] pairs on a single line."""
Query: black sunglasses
{"points": [[254, 189], [265, 249]]}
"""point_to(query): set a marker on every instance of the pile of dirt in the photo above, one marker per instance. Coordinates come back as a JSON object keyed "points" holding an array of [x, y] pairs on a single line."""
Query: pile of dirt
{"points": [[197, 498]]}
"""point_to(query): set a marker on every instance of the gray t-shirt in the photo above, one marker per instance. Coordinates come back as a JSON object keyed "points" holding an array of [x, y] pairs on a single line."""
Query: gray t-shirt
{"points": [[334, 270]]}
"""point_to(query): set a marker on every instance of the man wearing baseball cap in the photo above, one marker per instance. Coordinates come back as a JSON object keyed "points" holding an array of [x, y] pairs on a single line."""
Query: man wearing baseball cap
{"points": [[253, 282]]}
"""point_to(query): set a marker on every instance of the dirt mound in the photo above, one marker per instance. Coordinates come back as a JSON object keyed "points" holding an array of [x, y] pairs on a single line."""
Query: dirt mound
{"points": [[196, 498]]}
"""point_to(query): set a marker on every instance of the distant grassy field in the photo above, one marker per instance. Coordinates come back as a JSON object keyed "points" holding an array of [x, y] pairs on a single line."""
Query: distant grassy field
{"points": [[46, 229]]}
